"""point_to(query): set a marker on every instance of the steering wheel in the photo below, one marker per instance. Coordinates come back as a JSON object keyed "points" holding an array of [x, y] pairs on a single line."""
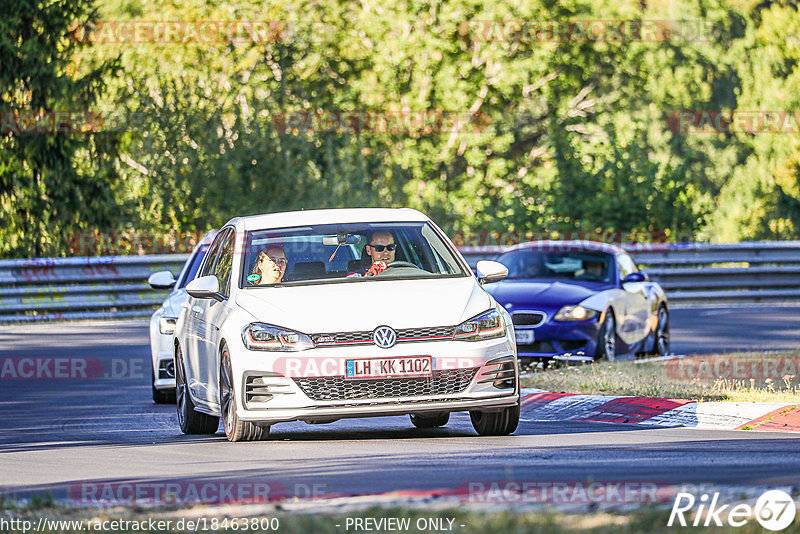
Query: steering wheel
{"points": [[401, 264]]}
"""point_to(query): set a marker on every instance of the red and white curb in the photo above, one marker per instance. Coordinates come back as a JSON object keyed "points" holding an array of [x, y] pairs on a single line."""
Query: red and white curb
{"points": [[538, 405]]}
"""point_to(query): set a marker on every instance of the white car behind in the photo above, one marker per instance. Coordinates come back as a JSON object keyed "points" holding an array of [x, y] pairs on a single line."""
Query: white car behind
{"points": [[162, 322]]}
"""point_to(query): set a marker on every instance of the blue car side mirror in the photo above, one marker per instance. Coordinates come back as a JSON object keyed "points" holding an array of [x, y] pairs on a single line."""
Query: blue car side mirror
{"points": [[635, 277]]}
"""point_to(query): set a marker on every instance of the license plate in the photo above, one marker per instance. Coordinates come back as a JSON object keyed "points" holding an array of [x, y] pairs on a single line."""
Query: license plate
{"points": [[524, 337], [389, 367]]}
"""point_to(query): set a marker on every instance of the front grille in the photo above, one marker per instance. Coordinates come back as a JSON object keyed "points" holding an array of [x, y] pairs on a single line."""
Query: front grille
{"points": [[409, 333], [403, 335], [337, 388], [342, 337], [528, 318]]}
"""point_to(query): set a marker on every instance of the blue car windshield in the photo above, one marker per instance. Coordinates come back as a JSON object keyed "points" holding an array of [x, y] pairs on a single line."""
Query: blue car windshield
{"points": [[560, 265]]}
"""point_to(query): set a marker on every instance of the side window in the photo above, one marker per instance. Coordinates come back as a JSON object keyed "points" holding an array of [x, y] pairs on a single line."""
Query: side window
{"points": [[626, 266], [224, 264], [211, 256]]}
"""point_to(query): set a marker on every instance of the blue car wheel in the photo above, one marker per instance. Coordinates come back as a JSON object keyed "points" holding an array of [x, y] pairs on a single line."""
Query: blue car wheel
{"points": [[607, 341]]}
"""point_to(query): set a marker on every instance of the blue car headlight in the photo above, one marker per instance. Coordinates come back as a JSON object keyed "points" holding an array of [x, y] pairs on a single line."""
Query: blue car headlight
{"points": [[261, 336], [574, 313], [488, 325]]}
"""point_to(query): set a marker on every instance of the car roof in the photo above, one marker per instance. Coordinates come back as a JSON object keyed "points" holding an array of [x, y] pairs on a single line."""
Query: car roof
{"points": [[579, 245], [329, 216]]}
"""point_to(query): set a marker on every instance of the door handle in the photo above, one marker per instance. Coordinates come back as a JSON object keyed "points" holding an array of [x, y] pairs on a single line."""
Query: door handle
{"points": [[197, 309]]}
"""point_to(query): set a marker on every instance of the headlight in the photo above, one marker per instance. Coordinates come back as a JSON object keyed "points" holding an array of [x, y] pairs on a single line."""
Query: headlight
{"points": [[487, 325], [260, 336], [575, 313], [166, 325]]}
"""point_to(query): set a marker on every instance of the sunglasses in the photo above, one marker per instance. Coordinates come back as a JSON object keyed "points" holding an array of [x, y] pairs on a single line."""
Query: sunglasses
{"points": [[380, 248], [278, 261]]}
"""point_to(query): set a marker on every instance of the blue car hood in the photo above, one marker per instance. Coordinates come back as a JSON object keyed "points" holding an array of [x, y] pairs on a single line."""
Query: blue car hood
{"points": [[542, 293]]}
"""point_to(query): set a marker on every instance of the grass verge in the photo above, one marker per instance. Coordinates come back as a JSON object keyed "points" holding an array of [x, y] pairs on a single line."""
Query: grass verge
{"points": [[742, 377]]}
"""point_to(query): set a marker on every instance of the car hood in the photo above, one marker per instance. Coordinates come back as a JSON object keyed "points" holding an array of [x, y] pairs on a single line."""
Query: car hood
{"points": [[363, 306], [542, 293]]}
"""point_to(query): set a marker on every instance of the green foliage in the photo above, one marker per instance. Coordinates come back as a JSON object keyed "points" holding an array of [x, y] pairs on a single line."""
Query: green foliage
{"points": [[51, 184], [573, 135]]}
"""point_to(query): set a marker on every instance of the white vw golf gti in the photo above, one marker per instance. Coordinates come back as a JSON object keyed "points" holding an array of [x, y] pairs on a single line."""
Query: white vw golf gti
{"points": [[321, 315]]}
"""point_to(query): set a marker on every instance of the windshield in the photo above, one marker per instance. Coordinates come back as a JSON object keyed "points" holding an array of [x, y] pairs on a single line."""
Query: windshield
{"points": [[337, 253], [562, 265], [194, 265]]}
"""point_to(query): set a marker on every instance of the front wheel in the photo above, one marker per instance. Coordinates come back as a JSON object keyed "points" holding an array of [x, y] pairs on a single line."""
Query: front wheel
{"points": [[500, 423], [661, 341], [190, 421], [430, 421], [607, 339], [235, 428]]}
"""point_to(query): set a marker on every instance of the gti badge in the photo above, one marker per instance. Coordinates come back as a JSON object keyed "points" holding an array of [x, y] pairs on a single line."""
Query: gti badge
{"points": [[384, 337]]}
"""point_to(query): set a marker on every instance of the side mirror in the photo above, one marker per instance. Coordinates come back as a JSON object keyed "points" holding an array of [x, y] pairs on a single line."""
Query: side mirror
{"points": [[490, 271], [205, 287], [635, 277], [161, 280]]}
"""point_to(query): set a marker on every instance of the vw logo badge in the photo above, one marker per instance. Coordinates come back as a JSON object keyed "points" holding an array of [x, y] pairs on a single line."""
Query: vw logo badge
{"points": [[384, 337]]}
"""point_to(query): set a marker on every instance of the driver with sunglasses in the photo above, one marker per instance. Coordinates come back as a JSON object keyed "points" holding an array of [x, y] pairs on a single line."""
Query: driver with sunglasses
{"points": [[380, 248]]}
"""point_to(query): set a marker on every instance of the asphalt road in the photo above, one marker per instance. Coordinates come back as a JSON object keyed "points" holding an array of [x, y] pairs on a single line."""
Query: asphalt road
{"points": [[59, 434]]}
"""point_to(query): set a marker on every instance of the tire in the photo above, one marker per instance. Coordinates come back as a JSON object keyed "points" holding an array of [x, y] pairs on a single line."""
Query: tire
{"points": [[190, 421], [661, 337], [160, 396], [429, 421], [607, 339], [235, 428], [500, 423]]}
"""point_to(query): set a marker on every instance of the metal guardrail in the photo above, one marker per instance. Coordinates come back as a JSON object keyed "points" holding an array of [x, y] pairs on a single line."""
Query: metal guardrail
{"points": [[48, 289]]}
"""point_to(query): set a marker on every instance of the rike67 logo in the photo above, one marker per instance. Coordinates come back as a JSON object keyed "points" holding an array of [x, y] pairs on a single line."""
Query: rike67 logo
{"points": [[774, 510]]}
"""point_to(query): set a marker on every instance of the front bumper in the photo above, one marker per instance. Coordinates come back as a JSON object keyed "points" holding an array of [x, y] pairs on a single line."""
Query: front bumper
{"points": [[561, 340], [273, 387], [161, 353]]}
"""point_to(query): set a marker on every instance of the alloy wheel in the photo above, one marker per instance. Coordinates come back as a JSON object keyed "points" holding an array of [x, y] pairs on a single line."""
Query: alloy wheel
{"points": [[180, 387]]}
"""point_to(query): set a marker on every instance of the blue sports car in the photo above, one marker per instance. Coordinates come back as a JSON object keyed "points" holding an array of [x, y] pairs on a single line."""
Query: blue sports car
{"points": [[580, 301]]}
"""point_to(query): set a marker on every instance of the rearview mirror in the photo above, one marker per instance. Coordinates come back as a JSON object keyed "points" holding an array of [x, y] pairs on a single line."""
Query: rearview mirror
{"points": [[205, 287], [161, 280], [491, 271], [340, 239]]}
